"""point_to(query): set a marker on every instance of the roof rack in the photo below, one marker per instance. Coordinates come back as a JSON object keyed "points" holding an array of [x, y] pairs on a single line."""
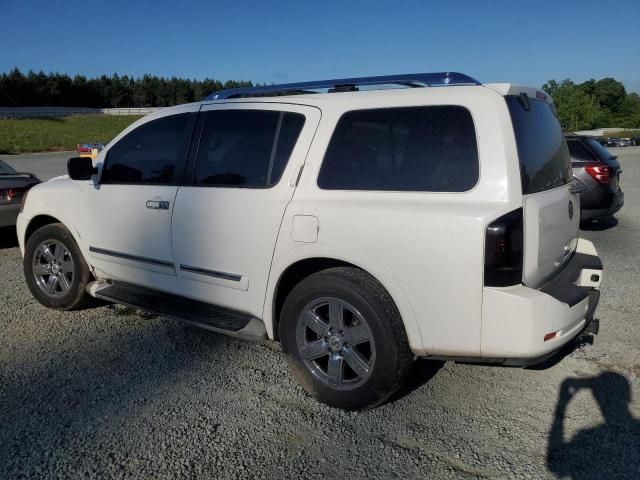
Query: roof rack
{"points": [[438, 79]]}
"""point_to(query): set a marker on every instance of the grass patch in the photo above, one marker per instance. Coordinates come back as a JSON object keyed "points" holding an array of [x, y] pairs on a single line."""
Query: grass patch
{"points": [[51, 134]]}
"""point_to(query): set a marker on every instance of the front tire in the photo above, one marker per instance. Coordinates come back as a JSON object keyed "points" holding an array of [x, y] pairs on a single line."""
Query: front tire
{"points": [[54, 268], [344, 339]]}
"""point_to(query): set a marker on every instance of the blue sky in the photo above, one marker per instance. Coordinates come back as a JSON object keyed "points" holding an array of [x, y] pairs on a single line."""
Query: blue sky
{"points": [[282, 41]]}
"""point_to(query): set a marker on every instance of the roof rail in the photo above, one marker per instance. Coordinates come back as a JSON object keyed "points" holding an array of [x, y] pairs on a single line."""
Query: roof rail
{"points": [[439, 79]]}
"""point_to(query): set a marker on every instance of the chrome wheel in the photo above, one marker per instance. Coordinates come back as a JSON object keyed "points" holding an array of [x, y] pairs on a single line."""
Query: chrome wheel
{"points": [[335, 343], [53, 268]]}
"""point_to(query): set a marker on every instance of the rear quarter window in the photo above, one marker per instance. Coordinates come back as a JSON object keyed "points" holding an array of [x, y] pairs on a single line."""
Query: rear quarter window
{"points": [[418, 149], [542, 150], [579, 151]]}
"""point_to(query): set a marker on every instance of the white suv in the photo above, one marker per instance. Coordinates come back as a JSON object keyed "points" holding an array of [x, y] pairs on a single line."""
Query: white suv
{"points": [[359, 224]]}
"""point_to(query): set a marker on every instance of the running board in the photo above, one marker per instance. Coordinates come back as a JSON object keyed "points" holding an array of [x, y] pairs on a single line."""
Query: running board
{"points": [[204, 315]]}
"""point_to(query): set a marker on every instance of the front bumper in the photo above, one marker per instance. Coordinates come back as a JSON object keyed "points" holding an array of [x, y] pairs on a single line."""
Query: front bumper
{"points": [[21, 229], [521, 323]]}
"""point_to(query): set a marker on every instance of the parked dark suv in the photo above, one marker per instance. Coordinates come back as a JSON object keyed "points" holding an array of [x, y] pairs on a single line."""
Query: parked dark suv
{"points": [[597, 174]]}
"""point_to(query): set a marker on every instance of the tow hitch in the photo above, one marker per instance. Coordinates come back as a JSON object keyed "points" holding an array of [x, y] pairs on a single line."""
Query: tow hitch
{"points": [[593, 326]]}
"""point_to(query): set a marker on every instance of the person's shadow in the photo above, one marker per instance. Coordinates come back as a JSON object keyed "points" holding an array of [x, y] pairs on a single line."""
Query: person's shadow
{"points": [[608, 451]]}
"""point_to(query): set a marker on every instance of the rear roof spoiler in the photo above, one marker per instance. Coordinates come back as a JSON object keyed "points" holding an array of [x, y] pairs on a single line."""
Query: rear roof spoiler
{"points": [[518, 90]]}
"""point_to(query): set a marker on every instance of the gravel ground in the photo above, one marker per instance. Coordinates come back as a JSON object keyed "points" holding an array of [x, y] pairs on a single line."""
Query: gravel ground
{"points": [[112, 393]]}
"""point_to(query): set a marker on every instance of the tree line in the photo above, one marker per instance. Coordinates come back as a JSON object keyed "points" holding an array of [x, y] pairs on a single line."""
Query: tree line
{"points": [[60, 90], [594, 104], [591, 104]]}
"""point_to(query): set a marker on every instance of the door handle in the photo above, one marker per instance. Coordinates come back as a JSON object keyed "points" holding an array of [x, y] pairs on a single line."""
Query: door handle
{"points": [[158, 204]]}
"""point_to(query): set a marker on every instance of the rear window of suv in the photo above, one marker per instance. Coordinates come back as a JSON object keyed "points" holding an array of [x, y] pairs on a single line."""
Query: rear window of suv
{"points": [[419, 149], [602, 153], [542, 149]]}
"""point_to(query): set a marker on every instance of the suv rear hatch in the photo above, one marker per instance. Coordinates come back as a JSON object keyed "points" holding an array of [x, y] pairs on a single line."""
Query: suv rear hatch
{"points": [[604, 156], [551, 210]]}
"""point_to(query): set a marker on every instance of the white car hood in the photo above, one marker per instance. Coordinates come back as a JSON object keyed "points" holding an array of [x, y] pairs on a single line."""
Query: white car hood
{"points": [[60, 177]]}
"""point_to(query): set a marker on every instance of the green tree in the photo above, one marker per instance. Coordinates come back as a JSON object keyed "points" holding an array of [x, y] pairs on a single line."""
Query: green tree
{"points": [[593, 104], [610, 93], [55, 89]]}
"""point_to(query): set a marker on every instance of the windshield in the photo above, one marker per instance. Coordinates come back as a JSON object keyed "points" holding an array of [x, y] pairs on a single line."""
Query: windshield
{"points": [[6, 169], [542, 149], [599, 150]]}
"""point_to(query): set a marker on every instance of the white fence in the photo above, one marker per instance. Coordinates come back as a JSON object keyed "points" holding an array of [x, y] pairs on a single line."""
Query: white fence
{"points": [[601, 132], [129, 111], [43, 112]]}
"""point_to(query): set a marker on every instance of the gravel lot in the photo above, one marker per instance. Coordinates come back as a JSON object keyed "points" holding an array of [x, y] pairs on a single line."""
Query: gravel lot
{"points": [[112, 393]]}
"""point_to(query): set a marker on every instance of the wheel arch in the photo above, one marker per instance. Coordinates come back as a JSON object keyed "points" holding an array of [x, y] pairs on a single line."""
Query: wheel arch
{"points": [[44, 219], [296, 271], [37, 222], [68, 295]]}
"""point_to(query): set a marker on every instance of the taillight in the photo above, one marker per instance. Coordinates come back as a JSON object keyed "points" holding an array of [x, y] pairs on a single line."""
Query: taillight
{"points": [[600, 173], [11, 194], [503, 250]]}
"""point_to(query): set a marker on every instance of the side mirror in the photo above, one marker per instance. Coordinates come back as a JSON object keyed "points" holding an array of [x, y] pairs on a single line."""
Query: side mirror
{"points": [[81, 168]]}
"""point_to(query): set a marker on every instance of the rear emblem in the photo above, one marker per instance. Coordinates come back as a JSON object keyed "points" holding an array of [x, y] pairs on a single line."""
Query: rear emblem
{"points": [[570, 209]]}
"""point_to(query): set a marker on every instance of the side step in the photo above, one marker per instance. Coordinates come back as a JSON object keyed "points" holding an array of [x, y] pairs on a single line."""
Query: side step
{"points": [[211, 317]]}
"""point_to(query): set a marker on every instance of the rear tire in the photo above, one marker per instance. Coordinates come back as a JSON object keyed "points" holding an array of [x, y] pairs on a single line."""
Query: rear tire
{"points": [[54, 268], [344, 339]]}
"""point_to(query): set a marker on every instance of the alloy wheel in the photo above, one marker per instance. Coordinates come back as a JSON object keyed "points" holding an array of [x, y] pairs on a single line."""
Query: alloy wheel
{"points": [[335, 343], [53, 268]]}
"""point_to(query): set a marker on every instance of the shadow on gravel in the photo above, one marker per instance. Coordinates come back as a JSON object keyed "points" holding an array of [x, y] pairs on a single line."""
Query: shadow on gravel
{"points": [[599, 225], [8, 237], [421, 372], [610, 450]]}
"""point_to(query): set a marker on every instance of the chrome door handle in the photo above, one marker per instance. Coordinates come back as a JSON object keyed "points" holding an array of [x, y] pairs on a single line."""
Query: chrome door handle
{"points": [[158, 204]]}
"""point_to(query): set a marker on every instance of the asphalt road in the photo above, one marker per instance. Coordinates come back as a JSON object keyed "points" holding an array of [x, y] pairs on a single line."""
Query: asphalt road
{"points": [[44, 165], [111, 393]]}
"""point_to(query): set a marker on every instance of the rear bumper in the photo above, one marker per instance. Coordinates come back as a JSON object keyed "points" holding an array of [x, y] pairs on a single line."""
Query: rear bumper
{"points": [[522, 325], [605, 209], [9, 214]]}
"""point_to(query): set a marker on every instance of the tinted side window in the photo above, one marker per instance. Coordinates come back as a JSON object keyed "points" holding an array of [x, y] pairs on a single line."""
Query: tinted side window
{"points": [[578, 151], [430, 149], [542, 149], [290, 129], [151, 154], [246, 148]]}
